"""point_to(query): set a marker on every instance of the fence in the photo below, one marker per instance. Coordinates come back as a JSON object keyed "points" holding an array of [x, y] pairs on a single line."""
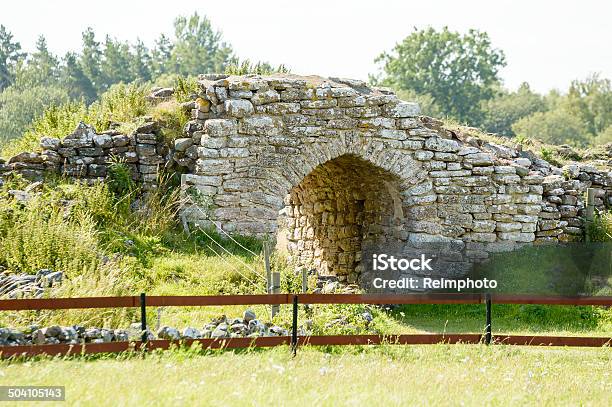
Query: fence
{"points": [[294, 340]]}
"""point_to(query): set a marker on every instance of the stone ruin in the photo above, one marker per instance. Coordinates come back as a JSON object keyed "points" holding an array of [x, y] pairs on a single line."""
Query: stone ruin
{"points": [[327, 166]]}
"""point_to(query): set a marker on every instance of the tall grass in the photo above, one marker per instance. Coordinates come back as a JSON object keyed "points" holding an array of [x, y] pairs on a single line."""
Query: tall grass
{"points": [[120, 104], [600, 230], [172, 117]]}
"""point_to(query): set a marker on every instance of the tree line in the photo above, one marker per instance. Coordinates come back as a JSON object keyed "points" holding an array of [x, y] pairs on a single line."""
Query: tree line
{"points": [[452, 75], [457, 76], [29, 83]]}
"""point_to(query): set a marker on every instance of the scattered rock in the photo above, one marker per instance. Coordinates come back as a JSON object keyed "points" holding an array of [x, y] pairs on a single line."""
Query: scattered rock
{"points": [[248, 316]]}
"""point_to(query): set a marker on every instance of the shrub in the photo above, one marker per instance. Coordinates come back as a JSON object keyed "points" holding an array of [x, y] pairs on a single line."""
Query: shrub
{"points": [[43, 239], [186, 88], [120, 104], [554, 127], [18, 107], [119, 178]]}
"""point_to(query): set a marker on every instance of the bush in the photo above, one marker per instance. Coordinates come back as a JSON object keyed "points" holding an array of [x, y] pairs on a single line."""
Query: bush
{"points": [[120, 104], [43, 239], [19, 107], [604, 137], [119, 178], [499, 113], [553, 127], [185, 88]]}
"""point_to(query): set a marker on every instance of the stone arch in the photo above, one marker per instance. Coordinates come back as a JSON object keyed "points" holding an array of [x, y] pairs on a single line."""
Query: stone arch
{"points": [[340, 205], [399, 163]]}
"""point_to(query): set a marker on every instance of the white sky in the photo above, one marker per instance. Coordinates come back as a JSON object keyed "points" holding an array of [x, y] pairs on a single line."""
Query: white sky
{"points": [[547, 43]]}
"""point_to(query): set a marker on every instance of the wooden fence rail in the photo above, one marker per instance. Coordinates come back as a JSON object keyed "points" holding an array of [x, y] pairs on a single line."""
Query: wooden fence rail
{"points": [[269, 299], [294, 340]]}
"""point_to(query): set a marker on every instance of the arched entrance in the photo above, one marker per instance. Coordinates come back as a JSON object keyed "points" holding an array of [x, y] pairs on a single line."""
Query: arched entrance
{"points": [[337, 208]]}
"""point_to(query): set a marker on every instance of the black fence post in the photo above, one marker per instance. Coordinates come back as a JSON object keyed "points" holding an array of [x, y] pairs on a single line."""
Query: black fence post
{"points": [[294, 326], [143, 318], [488, 332]]}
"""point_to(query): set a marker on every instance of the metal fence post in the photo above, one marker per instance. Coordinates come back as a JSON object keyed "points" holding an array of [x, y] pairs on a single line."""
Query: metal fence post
{"points": [[294, 327], [488, 332], [143, 318]]}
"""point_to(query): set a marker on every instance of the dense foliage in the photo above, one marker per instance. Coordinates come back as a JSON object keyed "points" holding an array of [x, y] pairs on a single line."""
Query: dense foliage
{"points": [[457, 71], [457, 76]]}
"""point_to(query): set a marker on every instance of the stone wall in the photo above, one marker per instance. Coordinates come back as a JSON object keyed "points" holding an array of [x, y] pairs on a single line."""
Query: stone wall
{"points": [[329, 166], [86, 155], [326, 165]]}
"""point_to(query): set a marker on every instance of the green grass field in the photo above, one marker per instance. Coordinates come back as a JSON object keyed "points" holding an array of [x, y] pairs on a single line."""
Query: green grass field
{"points": [[385, 375]]}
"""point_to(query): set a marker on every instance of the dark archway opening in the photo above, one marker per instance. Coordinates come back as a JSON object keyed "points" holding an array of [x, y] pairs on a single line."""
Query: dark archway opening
{"points": [[336, 209]]}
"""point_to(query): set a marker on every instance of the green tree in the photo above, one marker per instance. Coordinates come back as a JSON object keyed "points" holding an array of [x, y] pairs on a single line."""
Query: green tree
{"points": [[500, 112], [18, 107], [591, 101], [160, 56], [74, 80], [91, 58], [41, 68], [115, 66], [140, 62], [198, 48], [553, 127], [458, 71], [10, 56]]}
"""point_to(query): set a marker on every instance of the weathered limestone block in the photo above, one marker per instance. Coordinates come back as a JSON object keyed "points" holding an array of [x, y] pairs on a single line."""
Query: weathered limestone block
{"points": [[220, 127], [351, 101], [48, 143], [481, 237], [81, 137], [507, 178], [238, 108], [403, 109], [103, 140], [145, 149], [182, 144], [517, 236], [442, 144], [29, 158], [478, 159], [211, 166], [260, 125], [508, 227], [268, 96], [483, 226], [568, 211]]}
